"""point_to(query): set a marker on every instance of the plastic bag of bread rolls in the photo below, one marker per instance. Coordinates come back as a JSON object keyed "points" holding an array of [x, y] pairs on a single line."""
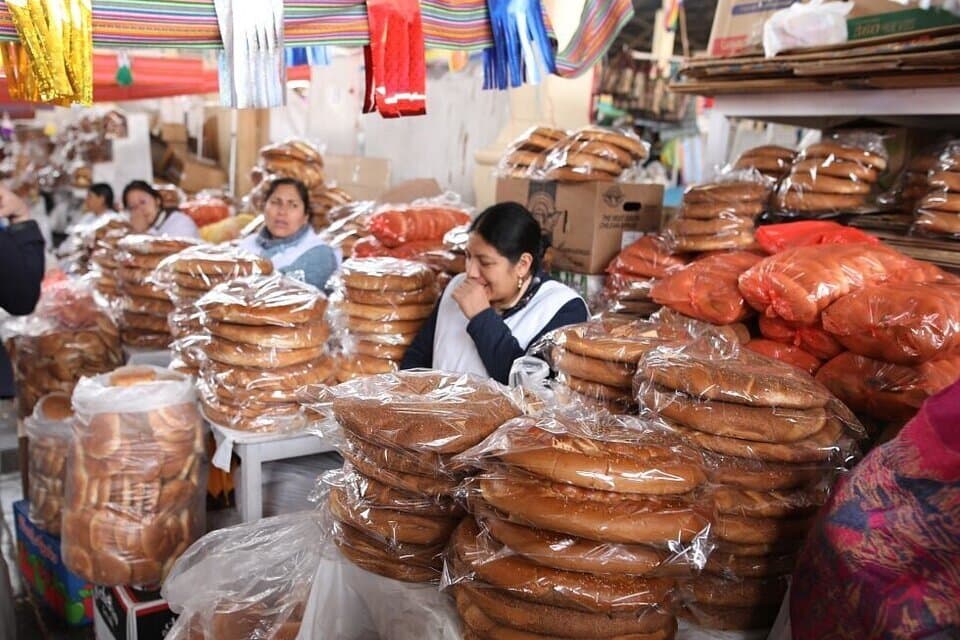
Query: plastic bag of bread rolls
{"points": [[50, 430], [186, 276], [770, 160], [71, 333], [812, 339], [774, 238], [938, 212], [838, 175], [913, 182], [707, 289], [425, 220], [136, 476], [593, 154], [247, 581], [526, 154], [798, 284]]}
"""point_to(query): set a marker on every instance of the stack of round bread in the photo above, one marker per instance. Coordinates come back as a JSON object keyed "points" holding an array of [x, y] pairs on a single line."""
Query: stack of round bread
{"points": [[526, 153], [913, 183], [718, 215], [770, 160], [775, 439], [579, 523], [323, 199], [632, 274], [292, 159], [265, 337], [593, 154], [136, 476], [145, 306], [938, 212], [49, 430], [104, 261], [89, 237], [393, 502], [832, 178], [381, 305], [188, 275]]}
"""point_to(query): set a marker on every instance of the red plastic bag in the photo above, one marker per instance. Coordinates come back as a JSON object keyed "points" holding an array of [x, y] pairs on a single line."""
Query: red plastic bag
{"points": [[814, 340], [775, 238], [394, 227], [797, 284], [372, 248], [206, 211], [785, 353], [888, 392], [707, 289], [648, 257]]}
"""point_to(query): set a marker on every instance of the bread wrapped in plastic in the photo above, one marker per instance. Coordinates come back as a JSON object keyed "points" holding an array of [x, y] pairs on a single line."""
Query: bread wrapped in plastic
{"points": [[811, 339], [648, 257], [798, 284], [422, 221], [794, 356], [50, 430], [770, 160], [264, 301], [707, 289], [899, 323], [938, 212], [136, 476], [189, 274], [774, 238], [247, 581], [885, 391], [206, 208], [593, 154], [526, 153]]}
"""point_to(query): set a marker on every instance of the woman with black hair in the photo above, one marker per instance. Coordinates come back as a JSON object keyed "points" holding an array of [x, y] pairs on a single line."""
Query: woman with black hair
{"points": [[287, 237], [147, 215], [490, 315]]}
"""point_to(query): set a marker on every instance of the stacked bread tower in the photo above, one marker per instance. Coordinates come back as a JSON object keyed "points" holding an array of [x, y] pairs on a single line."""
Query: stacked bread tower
{"points": [[938, 212], [771, 161], [831, 178], [188, 276], [914, 182], [264, 337], [49, 430], [145, 306], [593, 154], [775, 439], [527, 151], [394, 503], [708, 288], [381, 303], [68, 336], [104, 260], [578, 522], [632, 274], [88, 237], [136, 476], [348, 225], [719, 215]]}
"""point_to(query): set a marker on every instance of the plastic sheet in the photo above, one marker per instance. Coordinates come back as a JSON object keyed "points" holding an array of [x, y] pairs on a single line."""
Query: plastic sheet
{"points": [[838, 175], [884, 391], [899, 323], [187, 275], [794, 356], [593, 154], [526, 154], [774, 238], [769, 160], [50, 432], [206, 208], [422, 221], [248, 581], [648, 257], [798, 284], [707, 289], [913, 182], [136, 476], [938, 212], [813, 339]]}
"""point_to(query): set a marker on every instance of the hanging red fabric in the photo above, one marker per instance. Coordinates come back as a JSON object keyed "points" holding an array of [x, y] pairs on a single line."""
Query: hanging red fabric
{"points": [[394, 59]]}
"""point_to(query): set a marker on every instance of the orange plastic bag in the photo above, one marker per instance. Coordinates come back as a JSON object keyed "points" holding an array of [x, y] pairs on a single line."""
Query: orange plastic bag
{"points": [[370, 247], [707, 289], [884, 391], [648, 257], [814, 340], [785, 353], [797, 284], [394, 227], [775, 238], [899, 323]]}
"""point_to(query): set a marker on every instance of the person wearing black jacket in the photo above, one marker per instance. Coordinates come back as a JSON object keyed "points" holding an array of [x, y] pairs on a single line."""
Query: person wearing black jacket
{"points": [[21, 268], [490, 315]]}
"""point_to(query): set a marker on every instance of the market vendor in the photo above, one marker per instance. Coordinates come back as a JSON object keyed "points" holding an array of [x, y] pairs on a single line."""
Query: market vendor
{"points": [[147, 214], [99, 202], [287, 237], [490, 315]]}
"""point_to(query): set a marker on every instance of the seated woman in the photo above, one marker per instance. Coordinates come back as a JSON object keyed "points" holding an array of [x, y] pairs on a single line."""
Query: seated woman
{"points": [[99, 202], [147, 214], [490, 315], [288, 239]]}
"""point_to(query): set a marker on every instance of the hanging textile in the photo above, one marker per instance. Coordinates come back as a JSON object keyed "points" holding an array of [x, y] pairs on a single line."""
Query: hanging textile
{"points": [[252, 64], [312, 56], [56, 37], [522, 50], [396, 76], [600, 23]]}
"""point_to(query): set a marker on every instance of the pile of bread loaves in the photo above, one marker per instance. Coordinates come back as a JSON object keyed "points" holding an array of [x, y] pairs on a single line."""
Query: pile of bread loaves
{"points": [[136, 476], [393, 500], [832, 177], [938, 211], [588, 154], [49, 430], [769, 160], [633, 272], [719, 215]]}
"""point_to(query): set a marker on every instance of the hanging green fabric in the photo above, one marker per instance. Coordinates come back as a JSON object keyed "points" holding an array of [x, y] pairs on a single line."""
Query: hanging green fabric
{"points": [[600, 24]]}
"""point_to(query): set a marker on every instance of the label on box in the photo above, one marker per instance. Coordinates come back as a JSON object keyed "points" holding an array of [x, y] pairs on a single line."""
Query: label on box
{"points": [[897, 22], [111, 611]]}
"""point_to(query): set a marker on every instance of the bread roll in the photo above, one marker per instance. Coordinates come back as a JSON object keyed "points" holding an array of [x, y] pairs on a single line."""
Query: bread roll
{"points": [[386, 274], [301, 336], [246, 355], [844, 152]]}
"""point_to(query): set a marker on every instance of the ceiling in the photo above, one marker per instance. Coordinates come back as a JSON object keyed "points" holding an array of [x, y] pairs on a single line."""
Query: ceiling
{"points": [[639, 33]]}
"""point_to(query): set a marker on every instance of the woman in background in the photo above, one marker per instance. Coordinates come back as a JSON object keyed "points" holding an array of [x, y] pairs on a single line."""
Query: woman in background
{"points": [[147, 215]]}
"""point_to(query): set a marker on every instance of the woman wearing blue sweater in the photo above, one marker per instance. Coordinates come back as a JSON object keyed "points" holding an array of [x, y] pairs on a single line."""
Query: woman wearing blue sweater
{"points": [[490, 315], [288, 239]]}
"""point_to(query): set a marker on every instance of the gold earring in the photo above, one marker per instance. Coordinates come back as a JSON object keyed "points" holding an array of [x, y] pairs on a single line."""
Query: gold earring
{"points": [[519, 284]]}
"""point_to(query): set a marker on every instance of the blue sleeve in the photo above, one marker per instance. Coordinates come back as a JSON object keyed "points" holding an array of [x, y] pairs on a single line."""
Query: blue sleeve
{"points": [[317, 265], [21, 263], [419, 354], [497, 346]]}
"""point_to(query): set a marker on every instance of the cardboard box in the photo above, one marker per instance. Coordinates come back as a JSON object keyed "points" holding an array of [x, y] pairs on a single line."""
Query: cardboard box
{"points": [[56, 588], [585, 221], [173, 132], [588, 286], [362, 178], [738, 25], [123, 613], [192, 173]]}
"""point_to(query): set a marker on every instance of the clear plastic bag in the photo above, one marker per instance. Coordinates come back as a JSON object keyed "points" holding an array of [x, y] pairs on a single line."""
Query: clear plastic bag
{"points": [[913, 182], [707, 289], [526, 154], [938, 212], [248, 581], [136, 476], [426, 220], [774, 238], [186, 276], [770, 160], [808, 25], [812, 339], [648, 257], [50, 431], [788, 353], [592, 154]]}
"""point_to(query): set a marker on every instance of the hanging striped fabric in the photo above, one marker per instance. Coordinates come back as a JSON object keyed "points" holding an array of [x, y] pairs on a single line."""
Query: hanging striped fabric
{"points": [[600, 23]]}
